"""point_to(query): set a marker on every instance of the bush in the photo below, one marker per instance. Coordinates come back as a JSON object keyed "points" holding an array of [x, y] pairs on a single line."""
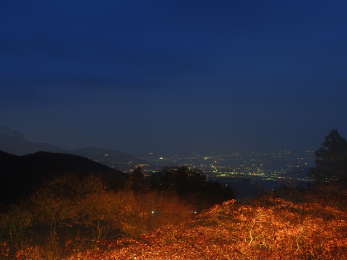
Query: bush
{"points": [[268, 228], [84, 211]]}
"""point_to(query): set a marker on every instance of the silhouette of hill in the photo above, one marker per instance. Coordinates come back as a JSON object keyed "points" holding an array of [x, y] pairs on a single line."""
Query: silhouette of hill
{"points": [[21, 175], [111, 158], [14, 142]]}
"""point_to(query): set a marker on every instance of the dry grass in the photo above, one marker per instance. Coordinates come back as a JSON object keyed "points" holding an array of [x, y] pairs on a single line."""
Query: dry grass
{"points": [[65, 217], [270, 228], [294, 225]]}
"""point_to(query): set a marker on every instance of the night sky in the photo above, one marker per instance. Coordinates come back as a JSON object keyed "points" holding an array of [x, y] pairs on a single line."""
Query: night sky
{"points": [[185, 75]]}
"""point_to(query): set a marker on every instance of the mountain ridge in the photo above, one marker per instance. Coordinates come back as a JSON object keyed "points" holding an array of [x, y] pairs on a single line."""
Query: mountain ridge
{"points": [[15, 142], [21, 175]]}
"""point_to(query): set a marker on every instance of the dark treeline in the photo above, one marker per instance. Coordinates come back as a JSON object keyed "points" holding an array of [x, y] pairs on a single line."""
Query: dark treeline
{"points": [[190, 184]]}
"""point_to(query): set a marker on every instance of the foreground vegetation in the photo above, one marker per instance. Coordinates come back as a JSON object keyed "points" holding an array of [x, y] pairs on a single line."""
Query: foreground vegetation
{"points": [[288, 224], [170, 216], [72, 212], [294, 225]]}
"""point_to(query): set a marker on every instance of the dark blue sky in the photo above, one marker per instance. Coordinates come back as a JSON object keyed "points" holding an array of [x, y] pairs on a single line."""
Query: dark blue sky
{"points": [[153, 75]]}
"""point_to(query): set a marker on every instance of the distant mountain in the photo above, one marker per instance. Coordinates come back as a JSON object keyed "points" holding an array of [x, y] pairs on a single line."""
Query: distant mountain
{"points": [[20, 175], [111, 158], [14, 142]]}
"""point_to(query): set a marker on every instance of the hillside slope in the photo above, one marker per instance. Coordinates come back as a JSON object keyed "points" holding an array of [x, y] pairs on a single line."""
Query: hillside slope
{"points": [[311, 225], [14, 142], [21, 175]]}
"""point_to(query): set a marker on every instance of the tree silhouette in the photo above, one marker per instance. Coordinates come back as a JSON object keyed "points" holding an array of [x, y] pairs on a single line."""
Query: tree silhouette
{"points": [[331, 159], [137, 179], [191, 185], [182, 179]]}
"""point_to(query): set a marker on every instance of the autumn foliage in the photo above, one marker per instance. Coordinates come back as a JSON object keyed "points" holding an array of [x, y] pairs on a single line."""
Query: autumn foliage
{"points": [[299, 225], [69, 215], [289, 224]]}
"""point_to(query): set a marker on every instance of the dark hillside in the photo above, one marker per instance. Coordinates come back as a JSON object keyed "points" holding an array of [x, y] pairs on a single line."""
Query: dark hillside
{"points": [[20, 175], [14, 142]]}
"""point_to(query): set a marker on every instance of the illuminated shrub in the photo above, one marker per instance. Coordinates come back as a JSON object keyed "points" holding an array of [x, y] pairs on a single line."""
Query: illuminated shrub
{"points": [[84, 211], [270, 228], [106, 224]]}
